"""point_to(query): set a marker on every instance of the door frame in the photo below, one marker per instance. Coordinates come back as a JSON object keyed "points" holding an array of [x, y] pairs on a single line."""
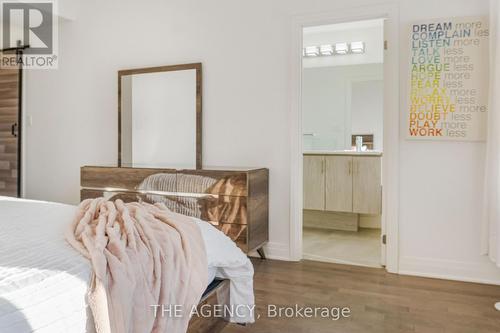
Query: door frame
{"points": [[20, 126], [390, 159], [24, 123]]}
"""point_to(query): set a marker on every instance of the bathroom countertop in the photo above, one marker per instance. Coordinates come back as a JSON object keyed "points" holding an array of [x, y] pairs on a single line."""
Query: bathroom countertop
{"points": [[343, 152]]}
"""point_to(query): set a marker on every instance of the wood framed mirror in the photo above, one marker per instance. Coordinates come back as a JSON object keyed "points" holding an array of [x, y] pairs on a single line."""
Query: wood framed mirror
{"points": [[160, 116]]}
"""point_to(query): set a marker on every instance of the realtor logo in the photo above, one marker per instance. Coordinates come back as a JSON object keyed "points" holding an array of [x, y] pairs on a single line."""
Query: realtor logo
{"points": [[30, 23]]}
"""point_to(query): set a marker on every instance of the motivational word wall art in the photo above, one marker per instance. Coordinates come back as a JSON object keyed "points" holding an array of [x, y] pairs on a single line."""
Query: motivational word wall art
{"points": [[448, 97]]}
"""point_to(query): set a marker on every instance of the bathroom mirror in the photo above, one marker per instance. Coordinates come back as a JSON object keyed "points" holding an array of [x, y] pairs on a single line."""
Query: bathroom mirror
{"points": [[159, 116], [343, 86], [342, 103]]}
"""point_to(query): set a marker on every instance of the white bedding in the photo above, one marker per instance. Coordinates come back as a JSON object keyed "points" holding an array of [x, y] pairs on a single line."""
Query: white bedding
{"points": [[43, 280]]}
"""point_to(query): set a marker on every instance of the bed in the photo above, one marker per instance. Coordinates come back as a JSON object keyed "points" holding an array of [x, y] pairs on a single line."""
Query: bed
{"points": [[43, 280]]}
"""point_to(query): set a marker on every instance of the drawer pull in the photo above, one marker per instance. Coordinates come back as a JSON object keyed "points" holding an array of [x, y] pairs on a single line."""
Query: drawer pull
{"points": [[14, 130]]}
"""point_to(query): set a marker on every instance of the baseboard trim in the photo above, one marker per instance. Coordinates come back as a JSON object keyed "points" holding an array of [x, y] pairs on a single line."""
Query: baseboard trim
{"points": [[484, 272], [275, 251]]}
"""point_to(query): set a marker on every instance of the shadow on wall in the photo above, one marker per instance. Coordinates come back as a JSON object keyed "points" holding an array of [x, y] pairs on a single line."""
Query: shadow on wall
{"points": [[12, 319]]}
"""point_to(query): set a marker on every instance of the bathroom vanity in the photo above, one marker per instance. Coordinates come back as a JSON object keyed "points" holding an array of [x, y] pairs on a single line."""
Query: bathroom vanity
{"points": [[341, 185]]}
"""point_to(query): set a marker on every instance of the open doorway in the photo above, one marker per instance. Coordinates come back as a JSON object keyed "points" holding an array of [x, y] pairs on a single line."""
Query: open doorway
{"points": [[342, 124]]}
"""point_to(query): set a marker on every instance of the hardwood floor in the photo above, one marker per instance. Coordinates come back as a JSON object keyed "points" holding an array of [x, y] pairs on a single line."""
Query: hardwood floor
{"points": [[379, 301]]}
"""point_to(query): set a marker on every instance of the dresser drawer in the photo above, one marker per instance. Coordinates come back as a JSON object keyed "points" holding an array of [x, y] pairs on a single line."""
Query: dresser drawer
{"points": [[218, 209], [170, 201], [213, 182], [122, 178], [223, 209]]}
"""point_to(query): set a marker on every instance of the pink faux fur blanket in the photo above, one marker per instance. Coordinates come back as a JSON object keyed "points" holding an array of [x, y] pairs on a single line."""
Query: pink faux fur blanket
{"points": [[142, 256]]}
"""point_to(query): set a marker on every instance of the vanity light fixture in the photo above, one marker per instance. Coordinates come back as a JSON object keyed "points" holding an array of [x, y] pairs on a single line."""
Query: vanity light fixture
{"points": [[326, 50], [358, 47], [341, 48], [312, 51]]}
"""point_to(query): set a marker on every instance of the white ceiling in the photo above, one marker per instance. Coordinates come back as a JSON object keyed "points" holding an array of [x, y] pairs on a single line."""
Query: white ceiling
{"points": [[371, 32]]}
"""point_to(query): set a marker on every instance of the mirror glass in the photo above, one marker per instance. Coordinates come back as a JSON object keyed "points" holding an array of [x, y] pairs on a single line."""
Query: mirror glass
{"points": [[340, 104], [158, 117], [343, 86]]}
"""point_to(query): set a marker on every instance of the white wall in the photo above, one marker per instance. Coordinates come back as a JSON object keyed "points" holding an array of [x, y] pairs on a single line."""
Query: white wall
{"points": [[327, 101], [244, 47], [371, 32], [441, 194]]}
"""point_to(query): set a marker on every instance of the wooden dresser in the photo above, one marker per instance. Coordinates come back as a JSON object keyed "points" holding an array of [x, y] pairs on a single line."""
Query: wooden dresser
{"points": [[234, 201]]}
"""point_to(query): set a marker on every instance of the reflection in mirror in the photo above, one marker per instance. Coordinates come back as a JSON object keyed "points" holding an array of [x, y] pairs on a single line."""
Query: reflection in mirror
{"points": [[341, 103], [160, 116], [367, 112]]}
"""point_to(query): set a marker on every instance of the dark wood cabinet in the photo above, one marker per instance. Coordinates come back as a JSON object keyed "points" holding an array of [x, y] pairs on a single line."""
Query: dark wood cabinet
{"points": [[234, 201]]}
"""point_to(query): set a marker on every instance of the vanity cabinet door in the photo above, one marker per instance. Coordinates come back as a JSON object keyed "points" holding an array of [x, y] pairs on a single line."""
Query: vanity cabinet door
{"points": [[338, 183], [314, 182], [367, 185]]}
